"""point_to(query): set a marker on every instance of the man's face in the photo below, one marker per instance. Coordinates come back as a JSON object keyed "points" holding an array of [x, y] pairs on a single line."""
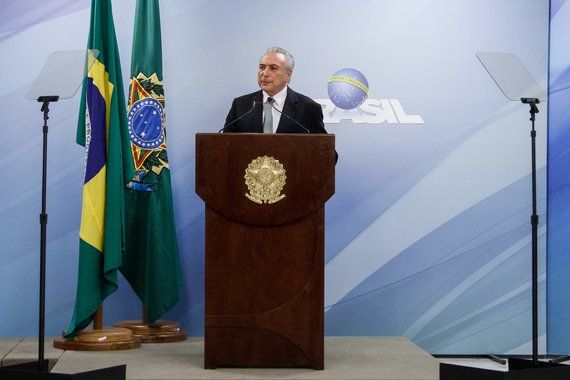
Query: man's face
{"points": [[273, 76]]}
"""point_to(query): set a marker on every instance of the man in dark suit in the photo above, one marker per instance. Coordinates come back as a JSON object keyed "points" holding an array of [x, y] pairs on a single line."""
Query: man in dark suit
{"points": [[276, 105]]}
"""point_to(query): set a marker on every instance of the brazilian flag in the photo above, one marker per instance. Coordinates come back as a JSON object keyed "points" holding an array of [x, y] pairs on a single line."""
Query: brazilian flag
{"points": [[103, 130], [150, 260]]}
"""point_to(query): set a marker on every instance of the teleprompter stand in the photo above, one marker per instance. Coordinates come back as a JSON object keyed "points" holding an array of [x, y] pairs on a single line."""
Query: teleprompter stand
{"points": [[519, 369], [517, 84], [61, 75]]}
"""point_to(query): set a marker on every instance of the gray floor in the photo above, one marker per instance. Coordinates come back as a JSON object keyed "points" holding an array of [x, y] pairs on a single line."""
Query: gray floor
{"points": [[383, 358]]}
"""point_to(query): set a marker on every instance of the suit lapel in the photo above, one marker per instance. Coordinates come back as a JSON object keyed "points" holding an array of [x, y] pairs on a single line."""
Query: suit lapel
{"points": [[289, 109], [258, 112]]}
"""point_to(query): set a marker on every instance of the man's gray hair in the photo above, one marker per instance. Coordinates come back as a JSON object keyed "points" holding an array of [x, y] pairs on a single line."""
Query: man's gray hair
{"points": [[289, 60]]}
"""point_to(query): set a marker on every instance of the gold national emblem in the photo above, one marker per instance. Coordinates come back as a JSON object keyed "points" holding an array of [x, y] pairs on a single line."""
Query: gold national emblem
{"points": [[265, 178]]}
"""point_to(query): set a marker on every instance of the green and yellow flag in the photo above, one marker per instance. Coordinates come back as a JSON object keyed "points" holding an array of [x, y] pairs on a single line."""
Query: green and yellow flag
{"points": [[150, 260], [102, 129]]}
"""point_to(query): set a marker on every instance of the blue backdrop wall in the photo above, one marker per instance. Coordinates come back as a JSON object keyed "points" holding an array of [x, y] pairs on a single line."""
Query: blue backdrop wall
{"points": [[428, 234], [558, 290]]}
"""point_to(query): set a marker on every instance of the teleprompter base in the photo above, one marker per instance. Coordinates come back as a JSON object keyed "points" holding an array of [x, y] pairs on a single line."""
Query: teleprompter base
{"points": [[29, 371], [519, 369]]}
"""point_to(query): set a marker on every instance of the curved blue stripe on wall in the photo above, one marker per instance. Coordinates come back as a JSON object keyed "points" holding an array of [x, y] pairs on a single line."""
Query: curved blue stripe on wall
{"points": [[453, 274], [558, 288]]}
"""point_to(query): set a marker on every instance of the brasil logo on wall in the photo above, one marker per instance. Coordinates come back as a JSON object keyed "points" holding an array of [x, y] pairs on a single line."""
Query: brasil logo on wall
{"points": [[349, 101]]}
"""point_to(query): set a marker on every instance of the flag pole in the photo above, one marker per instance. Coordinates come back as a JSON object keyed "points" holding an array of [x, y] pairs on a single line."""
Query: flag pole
{"points": [[98, 318]]}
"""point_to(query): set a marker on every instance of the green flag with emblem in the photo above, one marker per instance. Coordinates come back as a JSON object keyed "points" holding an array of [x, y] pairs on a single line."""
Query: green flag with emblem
{"points": [[150, 258]]}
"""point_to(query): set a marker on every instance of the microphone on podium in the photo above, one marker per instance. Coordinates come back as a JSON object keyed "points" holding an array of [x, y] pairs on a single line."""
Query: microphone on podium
{"points": [[271, 101], [255, 102]]}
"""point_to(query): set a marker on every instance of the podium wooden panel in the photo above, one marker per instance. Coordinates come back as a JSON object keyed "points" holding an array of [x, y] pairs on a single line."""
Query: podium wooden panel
{"points": [[264, 262]]}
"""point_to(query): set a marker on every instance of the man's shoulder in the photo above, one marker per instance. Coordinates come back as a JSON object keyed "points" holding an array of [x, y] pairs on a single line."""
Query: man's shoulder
{"points": [[298, 97], [257, 96]]}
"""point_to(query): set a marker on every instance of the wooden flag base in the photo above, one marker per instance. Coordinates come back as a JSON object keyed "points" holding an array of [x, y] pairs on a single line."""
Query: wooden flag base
{"points": [[104, 339], [158, 332]]}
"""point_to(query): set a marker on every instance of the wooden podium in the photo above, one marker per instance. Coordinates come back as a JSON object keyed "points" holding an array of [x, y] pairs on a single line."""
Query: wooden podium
{"points": [[265, 197]]}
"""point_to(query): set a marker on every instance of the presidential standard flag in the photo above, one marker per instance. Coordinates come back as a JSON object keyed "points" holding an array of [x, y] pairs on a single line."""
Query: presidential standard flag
{"points": [[150, 260], [102, 129]]}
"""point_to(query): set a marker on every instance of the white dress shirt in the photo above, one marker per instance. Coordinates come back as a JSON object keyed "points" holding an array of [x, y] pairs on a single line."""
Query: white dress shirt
{"points": [[279, 102]]}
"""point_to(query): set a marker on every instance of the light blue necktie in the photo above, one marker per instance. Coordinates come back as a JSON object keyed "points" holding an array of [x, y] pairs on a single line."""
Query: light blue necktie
{"points": [[268, 116]]}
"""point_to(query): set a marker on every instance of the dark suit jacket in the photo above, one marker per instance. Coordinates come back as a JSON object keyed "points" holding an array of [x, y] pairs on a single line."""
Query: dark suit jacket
{"points": [[298, 107]]}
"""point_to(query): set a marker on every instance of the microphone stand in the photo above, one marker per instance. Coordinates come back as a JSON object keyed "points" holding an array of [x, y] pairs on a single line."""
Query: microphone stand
{"points": [[532, 102], [43, 233], [255, 102], [272, 101]]}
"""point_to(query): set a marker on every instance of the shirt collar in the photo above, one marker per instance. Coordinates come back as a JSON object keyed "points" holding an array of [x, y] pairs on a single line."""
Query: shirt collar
{"points": [[279, 97]]}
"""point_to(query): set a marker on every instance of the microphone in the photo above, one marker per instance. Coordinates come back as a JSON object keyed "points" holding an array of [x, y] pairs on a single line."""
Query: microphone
{"points": [[242, 116], [270, 100]]}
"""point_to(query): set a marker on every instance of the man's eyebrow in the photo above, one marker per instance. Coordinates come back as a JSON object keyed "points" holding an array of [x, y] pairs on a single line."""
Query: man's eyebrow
{"points": [[272, 65]]}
